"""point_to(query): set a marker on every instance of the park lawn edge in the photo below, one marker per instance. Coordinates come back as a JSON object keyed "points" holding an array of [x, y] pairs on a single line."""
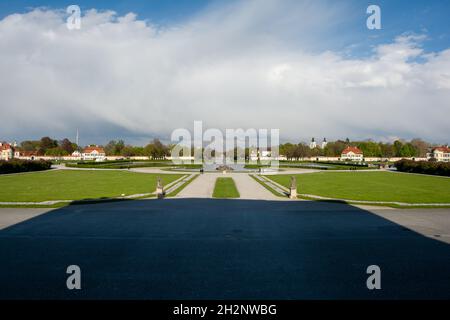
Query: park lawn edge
{"points": [[438, 202], [362, 203]]}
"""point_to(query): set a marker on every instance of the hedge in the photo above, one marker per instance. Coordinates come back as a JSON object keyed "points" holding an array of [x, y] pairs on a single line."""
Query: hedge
{"points": [[425, 167], [16, 165]]}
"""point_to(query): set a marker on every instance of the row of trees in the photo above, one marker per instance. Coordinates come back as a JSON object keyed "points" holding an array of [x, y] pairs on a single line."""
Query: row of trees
{"points": [[156, 149], [49, 147], [413, 148]]}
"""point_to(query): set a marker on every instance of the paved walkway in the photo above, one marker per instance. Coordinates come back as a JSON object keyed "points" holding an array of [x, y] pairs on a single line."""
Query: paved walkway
{"points": [[250, 189], [203, 187]]}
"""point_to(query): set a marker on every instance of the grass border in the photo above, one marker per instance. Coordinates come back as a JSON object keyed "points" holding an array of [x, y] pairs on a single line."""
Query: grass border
{"points": [[184, 185], [275, 193], [222, 197]]}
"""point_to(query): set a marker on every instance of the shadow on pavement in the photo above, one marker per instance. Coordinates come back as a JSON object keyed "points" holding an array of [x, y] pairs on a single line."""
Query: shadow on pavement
{"points": [[219, 249]]}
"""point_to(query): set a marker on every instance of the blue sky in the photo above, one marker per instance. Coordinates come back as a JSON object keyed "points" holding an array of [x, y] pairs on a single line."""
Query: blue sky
{"points": [[307, 67], [430, 17]]}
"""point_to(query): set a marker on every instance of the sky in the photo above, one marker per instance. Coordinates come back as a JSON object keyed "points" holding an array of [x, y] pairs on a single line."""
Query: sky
{"points": [[137, 70]]}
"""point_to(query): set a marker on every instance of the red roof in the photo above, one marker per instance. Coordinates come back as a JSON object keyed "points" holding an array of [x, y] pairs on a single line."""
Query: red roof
{"points": [[28, 153], [442, 149], [91, 149], [352, 149], [5, 146]]}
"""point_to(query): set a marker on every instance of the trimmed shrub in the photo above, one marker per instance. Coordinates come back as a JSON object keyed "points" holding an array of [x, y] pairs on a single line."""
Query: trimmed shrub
{"points": [[16, 165], [424, 167]]}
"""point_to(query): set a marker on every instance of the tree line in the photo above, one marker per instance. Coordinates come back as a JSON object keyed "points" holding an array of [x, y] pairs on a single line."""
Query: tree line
{"points": [[47, 146], [414, 148], [157, 150]]}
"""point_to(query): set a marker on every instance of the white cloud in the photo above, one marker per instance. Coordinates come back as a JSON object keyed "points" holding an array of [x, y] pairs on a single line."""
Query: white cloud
{"points": [[243, 65]]}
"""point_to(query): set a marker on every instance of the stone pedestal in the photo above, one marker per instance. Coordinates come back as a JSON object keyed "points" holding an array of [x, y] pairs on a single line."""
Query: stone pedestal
{"points": [[293, 188], [293, 193], [159, 189]]}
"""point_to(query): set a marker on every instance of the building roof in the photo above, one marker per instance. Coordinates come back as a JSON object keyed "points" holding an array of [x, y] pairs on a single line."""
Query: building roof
{"points": [[442, 149], [28, 153], [5, 146], [352, 149], [91, 149]]}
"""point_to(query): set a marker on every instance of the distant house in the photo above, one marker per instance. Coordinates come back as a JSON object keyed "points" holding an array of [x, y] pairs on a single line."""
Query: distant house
{"points": [[26, 155], [260, 155], [95, 153], [76, 154], [6, 151], [352, 154], [441, 154]]}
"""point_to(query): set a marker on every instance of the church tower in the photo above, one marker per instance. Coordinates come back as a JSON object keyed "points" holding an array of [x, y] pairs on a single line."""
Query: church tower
{"points": [[324, 143], [313, 144]]}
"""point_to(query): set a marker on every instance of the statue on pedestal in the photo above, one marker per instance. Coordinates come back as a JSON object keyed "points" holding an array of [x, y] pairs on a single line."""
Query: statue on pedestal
{"points": [[159, 189]]}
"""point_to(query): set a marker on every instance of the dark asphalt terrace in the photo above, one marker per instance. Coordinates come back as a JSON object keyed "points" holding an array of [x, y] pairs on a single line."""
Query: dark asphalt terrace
{"points": [[219, 249]]}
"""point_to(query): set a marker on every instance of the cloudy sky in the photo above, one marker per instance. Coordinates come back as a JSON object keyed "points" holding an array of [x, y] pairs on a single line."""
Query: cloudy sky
{"points": [[140, 69]]}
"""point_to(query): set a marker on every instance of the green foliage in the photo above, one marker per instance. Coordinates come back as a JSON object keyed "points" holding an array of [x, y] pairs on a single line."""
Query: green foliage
{"points": [[16, 165], [156, 150], [425, 167]]}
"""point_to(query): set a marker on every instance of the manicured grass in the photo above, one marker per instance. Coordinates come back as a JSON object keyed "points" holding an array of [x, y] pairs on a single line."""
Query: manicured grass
{"points": [[77, 185], [372, 186], [225, 188]]}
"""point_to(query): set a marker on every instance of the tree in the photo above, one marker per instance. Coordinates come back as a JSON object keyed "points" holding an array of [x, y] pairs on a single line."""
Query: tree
{"points": [[369, 148], [407, 150], [47, 143], [156, 149], [334, 149], [29, 145], [127, 151], [56, 152], [397, 147], [67, 146], [114, 148], [420, 146], [387, 150]]}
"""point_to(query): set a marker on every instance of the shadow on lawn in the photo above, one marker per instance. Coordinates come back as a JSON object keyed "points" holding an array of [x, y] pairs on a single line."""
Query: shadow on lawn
{"points": [[219, 249]]}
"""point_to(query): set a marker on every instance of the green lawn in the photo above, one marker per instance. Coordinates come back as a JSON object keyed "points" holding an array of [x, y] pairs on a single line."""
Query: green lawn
{"points": [[77, 185], [225, 188], [372, 186]]}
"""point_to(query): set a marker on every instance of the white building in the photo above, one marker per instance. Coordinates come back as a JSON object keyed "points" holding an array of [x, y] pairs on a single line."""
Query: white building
{"points": [[441, 154], [312, 144], [95, 153], [6, 151], [352, 154], [324, 143]]}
